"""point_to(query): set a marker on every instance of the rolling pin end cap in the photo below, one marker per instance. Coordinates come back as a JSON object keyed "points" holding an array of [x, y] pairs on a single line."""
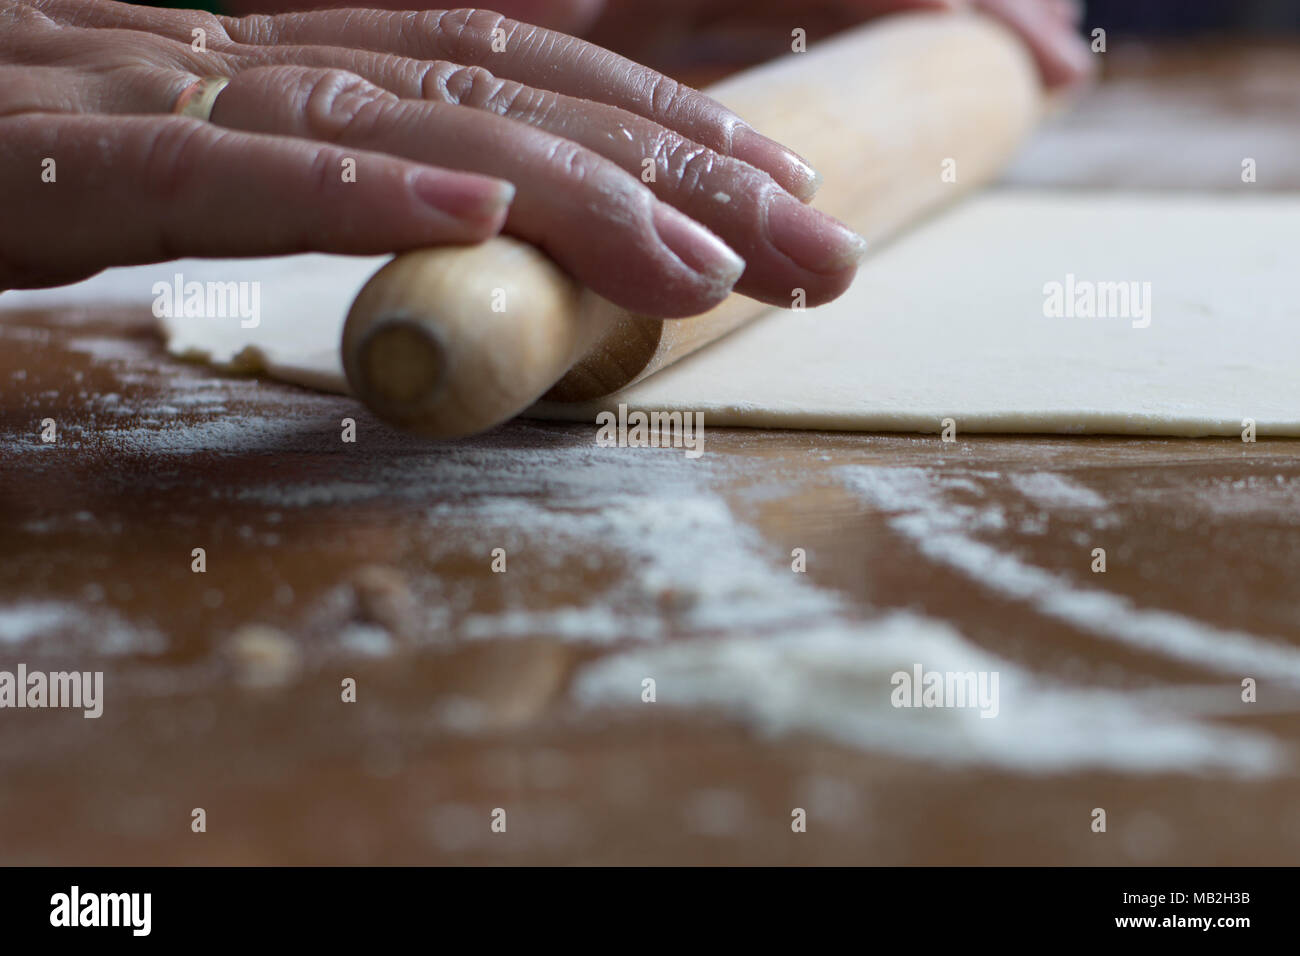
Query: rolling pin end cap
{"points": [[400, 367]]}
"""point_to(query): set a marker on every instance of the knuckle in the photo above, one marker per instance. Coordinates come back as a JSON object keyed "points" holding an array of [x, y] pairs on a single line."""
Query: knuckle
{"points": [[520, 102], [663, 94], [465, 34], [337, 104], [689, 164], [475, 87], [255, 29], [674, 103], [471, 21], [576, 162], [455, 83], [14, 15], [213, 27], [213, 24], [478, 88], [580, 165]]}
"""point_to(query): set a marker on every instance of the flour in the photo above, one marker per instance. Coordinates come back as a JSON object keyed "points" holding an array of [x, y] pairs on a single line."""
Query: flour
{"points": [[100, 631], [707, 572], [23, 621], [684, 590], [1273, 499], [943, 532], [1056, 491], [833, 681], [105, 348]]}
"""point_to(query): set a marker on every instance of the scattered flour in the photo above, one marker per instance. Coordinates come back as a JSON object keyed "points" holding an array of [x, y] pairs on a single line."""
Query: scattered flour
{"points": [[1274, 499], [103, 631], [21, 622], [943, 532], [720, 620], [105, 348], [833, 680], [1049, 490], [703, 572]]}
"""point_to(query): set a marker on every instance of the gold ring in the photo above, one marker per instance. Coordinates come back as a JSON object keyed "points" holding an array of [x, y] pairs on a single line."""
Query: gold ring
{"points": [[199, 97]]}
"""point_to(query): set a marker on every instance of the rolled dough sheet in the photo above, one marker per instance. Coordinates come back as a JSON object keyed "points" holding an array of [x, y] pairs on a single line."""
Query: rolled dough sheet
{"points": [[947, 322]]}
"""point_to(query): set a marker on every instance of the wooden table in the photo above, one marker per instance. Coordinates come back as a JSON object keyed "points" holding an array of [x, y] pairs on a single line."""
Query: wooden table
{"points": [[521, 690]]}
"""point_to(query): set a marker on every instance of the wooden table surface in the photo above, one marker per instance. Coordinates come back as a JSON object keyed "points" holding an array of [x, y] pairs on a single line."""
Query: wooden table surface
{"points": [[522, 690]]}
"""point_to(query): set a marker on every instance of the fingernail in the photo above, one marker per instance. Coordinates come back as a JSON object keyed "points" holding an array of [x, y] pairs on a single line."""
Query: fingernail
{"points": [[464, 196], [810, 239], [789, 169], [699, 249]]}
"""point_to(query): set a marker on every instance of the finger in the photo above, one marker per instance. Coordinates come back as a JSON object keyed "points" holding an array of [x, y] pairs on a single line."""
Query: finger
{"points": [[785, 244], [570, 16], [137, 90], [542, 59], [166, 187], [1062, 56], [596, 220], [176, 24]]}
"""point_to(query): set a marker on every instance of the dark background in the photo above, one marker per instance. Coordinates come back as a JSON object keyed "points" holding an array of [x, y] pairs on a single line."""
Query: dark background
{"points": [[1124, 17], [1193, 17]]}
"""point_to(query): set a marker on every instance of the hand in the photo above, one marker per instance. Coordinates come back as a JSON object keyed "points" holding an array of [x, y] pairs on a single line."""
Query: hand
{"points": [[548, 145], [680, 36]]}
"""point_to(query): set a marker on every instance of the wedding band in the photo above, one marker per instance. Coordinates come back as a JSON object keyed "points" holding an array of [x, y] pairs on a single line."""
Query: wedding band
{"points": [[198, 98]]}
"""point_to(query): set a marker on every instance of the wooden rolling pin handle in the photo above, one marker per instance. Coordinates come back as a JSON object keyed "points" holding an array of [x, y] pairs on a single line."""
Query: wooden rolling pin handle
{"points": [[451, 341]]}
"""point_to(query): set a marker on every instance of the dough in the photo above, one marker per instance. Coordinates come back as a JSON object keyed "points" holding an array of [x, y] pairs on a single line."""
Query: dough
{"points": [[947, 322]]}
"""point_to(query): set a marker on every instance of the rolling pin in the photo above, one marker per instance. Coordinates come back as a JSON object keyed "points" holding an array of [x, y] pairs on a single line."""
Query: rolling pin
{"points": [[899, 116]]}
